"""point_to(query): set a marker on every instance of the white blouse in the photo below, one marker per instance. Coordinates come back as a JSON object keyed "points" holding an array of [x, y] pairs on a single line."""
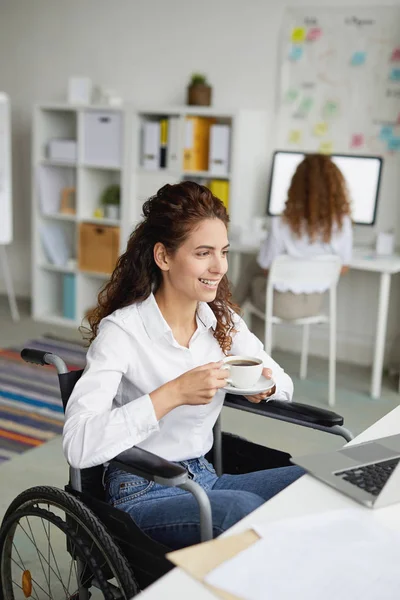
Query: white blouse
{"points": [[281, 240], [135, 353]]}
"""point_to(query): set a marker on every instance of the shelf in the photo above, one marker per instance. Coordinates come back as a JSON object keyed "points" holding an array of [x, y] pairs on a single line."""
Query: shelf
{"points": [[100, 222], [59, 217], [57, 163], [56, 268], [204, 175], [100, 167], [57, 320], [96, 275]]}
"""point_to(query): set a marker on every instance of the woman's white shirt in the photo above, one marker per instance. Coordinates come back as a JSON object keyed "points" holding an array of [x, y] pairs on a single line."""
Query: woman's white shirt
{"points": [[135, 353], [282, 240]]}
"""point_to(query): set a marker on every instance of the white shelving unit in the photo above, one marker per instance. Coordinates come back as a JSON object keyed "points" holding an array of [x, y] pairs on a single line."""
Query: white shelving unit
{"points": [[247, 178], [53, 121]]}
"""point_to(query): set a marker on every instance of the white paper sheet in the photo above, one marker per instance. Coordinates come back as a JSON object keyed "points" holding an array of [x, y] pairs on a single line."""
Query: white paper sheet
{"points": [[344, 555]]}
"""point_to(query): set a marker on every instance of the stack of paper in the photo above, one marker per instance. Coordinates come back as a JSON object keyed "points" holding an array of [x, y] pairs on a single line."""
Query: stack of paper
{"points": [[339, 555]]}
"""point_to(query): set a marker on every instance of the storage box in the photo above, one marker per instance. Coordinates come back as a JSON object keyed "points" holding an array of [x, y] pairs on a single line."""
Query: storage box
{"points": [[63, 150], [102, 138], [98, 247]]}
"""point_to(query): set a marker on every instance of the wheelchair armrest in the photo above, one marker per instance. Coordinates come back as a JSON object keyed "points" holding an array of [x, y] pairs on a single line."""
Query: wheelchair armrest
{"points": [[300, 413], [150, 466]]}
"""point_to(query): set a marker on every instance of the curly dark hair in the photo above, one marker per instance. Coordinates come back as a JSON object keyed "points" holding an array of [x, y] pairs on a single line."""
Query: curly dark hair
{"points": [[317, 198], [169, 217]]}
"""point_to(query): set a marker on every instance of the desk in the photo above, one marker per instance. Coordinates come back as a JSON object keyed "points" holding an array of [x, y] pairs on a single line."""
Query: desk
{"points": [[304, 497], [362, 260]]}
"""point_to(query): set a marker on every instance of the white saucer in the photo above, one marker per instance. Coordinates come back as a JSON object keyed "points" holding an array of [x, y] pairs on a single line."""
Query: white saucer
{"points": [[262, 385]]}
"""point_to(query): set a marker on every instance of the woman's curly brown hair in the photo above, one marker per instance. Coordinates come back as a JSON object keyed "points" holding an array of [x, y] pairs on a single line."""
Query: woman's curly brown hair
{"points": [[169, 217], [317, 198]]}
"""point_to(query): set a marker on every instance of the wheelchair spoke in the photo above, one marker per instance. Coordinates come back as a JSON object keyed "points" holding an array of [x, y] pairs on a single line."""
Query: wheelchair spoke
{"points": [[14, 561], [50, 547], [40, 560], [42, 555]]}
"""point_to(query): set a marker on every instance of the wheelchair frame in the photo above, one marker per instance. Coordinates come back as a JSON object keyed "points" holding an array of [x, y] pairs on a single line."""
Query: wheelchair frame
{"points": [[154, 468]]}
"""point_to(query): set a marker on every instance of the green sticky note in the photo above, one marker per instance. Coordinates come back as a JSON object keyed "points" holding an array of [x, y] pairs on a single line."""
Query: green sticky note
{"points": [[330, 109], [291, 95], [306, 105]]}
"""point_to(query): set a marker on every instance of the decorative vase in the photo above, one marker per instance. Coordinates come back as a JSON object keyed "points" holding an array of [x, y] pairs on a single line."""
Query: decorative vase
{"points": [[199, 95]]}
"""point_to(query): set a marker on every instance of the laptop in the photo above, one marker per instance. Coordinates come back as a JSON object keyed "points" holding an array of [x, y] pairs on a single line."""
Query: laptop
{"points": [[368, 472]]}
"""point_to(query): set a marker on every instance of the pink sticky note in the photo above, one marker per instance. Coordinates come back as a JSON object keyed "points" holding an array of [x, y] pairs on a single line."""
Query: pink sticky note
{"points": [[395, 55], [357, 140], [314, 34]]}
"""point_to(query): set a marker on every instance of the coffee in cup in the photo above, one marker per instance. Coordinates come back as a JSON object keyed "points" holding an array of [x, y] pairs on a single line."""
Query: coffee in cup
{"points": [[244, 371]]}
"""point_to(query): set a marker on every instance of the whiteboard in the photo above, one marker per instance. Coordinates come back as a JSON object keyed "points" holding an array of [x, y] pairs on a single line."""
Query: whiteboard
{"points": [[5, 171], [339, 81]]}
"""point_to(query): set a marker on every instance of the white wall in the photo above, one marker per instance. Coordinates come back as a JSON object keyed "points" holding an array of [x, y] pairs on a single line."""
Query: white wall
{"points": [[146, 50]]}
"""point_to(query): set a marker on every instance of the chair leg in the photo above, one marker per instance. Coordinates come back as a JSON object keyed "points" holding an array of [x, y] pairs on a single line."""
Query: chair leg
{"points": [[304, 351]]}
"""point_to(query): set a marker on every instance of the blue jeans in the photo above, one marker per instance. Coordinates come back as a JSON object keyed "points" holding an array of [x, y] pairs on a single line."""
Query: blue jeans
{"points": [[171, 515]]}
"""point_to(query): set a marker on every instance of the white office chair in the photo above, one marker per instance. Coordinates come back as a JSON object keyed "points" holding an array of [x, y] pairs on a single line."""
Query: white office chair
{"points": [[322, 271]]}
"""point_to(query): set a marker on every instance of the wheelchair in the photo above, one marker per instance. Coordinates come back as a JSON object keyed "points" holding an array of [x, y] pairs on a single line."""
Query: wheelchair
{"points": [[104, 554]]}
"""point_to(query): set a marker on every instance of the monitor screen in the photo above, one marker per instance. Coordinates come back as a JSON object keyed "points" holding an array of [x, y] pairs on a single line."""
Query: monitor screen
{"points": [[362, 175]]}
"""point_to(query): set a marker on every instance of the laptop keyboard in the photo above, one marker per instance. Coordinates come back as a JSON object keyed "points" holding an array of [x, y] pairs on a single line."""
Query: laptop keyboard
{"points": [[370, 478]]}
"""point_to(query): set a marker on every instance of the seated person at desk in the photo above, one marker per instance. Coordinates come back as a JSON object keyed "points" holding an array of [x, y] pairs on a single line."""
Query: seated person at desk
{"points": [[316, 221], [153, 376]]}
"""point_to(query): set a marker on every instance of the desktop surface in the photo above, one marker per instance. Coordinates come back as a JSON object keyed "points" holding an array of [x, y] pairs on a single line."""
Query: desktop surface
{"points": [[362, 175]]}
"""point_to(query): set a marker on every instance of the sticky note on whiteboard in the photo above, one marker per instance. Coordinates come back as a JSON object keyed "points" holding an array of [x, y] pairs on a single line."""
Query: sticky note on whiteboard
{"points": [[314, 34], [296, 52], [357, 140], [395, 55], [298, 35], [394, 144], [395, 74], [294, 136], [320, 129], [386, 132], [358, 58], [325, 148]]}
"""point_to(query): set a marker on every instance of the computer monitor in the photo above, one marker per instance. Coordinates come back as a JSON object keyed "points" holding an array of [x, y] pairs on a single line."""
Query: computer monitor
{"points": [[362, 175]]}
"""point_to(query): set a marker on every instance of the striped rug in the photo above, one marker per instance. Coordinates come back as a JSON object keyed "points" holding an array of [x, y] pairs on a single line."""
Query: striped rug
{"points": [[31, 411]]}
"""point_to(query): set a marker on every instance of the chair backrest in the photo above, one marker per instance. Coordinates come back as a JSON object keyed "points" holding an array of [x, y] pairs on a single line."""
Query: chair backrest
{"points": [[318, 273], [90, 479]]}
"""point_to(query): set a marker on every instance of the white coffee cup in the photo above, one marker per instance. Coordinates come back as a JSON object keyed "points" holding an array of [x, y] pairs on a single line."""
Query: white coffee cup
{"points": [[244, 371]]}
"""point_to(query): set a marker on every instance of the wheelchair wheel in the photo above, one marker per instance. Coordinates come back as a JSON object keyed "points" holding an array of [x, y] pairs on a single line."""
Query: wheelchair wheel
{"points": [[52, 546]]}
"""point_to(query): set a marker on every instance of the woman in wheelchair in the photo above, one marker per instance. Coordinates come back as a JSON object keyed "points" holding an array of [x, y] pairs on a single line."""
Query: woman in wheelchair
{"points": [[153, 377]]}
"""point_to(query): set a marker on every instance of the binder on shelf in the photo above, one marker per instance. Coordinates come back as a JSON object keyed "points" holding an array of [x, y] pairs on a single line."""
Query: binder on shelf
{"points": [[219, 149], [173, 163], [151, 145], [197, 140], [220, 189], [163, 142], [68, 304]]}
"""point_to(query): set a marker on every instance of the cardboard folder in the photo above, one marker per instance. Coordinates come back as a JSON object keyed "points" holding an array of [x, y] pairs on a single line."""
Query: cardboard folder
{"points": [[199, 560]]}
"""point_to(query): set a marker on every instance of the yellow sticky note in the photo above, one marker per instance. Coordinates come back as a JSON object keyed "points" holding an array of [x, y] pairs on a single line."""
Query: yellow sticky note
{"points": [[295, 136], [320, 129], [298, 35], [325, 148]]}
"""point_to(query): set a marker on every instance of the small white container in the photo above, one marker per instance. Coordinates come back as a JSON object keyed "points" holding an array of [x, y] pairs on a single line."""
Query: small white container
{"points": [[62, 150]]}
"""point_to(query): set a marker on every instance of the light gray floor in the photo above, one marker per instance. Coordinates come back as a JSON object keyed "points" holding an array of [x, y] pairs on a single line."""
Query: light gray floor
{"points": [[45, 464]]}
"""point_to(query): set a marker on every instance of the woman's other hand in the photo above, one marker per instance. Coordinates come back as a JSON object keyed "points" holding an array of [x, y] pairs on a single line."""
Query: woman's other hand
{"points": [[257, 398]]}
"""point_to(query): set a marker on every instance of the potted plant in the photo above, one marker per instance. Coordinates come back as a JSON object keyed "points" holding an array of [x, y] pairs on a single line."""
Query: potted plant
{"points": [[199, 90], [110, 199]]}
